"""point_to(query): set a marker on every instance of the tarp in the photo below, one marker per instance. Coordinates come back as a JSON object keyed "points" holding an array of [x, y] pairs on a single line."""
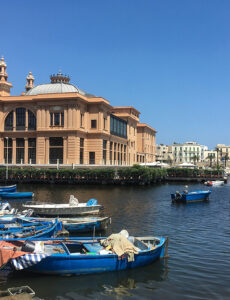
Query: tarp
{"points": [[120, 245]]}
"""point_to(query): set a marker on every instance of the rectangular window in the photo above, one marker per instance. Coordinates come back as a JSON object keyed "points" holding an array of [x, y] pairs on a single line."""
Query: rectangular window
{"points": [[56, 150], [32, 151], [104, 123], [56, 119], [111, 152], [118, 126], [94, 124], [51, 119], [115, 153], [62, 118], [92, 158], [20, 151], [31, 121], [82, 120], [104, 151], [81, 151], [8, 146]]}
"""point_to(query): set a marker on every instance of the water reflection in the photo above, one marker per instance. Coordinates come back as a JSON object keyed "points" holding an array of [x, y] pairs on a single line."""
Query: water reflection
{"points": [[123, 283]]}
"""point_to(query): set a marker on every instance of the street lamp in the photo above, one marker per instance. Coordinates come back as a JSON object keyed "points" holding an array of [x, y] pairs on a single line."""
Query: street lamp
{"points": [[7, 158]]}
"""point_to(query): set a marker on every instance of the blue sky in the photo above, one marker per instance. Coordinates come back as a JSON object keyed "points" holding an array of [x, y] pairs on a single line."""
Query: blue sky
{"points": [[170, 59]]}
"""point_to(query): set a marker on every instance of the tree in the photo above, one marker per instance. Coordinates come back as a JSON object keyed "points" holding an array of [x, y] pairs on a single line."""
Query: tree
{"points": [[226, 158], [195, 158], [210, 157]]}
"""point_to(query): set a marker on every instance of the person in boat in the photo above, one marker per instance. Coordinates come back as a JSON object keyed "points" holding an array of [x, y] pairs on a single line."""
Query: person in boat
{"points": [[178, 195]]}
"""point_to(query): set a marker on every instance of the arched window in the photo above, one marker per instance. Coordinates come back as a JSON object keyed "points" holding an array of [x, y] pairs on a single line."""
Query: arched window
{"points": [[9, 122], [20, 121], [20, 118]]}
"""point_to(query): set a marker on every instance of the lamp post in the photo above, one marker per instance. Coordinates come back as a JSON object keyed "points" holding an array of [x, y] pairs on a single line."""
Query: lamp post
{"points": [[7, 157]]}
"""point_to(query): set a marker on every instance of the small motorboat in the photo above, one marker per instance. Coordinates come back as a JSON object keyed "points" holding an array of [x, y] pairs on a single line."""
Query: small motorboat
{"points": [[214, 183], [85, 256], [8, 188], [16, 195], [186, 196], [73, 208]]}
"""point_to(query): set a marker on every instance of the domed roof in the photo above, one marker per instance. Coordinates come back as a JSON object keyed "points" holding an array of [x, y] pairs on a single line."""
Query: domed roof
{"points": [[59, 84], [54, 88]]}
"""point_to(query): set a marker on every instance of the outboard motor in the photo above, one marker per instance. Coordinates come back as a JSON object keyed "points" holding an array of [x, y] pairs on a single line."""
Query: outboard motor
{"points": [[28, 246], [178, 196]]}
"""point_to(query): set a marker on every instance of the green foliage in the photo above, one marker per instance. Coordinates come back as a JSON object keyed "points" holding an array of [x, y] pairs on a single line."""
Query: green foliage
{"points": [[185, 172]]}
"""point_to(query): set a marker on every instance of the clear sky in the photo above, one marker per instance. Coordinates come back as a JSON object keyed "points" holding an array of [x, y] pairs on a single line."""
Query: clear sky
{"points": [[170, 59]]}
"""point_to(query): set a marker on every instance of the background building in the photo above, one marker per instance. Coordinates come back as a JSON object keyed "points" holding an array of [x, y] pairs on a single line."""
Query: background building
{"points": [[189, 152], [59, 123]]}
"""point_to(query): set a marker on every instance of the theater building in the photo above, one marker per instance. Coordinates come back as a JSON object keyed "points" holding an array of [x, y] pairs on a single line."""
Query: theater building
{"points": [[58, 123]]}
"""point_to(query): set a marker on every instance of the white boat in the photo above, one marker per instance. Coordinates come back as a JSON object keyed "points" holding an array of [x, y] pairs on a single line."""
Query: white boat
{"points": [[214, 183], [73, 208]]}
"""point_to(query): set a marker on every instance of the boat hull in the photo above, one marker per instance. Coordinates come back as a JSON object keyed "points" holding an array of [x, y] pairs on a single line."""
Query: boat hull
{"points": [[9, 188], [65, 211], [60, 264], [191, 197], [96, 225], [16, 195]]}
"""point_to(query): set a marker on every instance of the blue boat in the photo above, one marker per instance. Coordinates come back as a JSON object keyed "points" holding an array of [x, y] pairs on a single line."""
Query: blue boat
{"points": [[187, 197], [76, 257], [9, 188], [16, 195], [72, 225], [30, 230]]}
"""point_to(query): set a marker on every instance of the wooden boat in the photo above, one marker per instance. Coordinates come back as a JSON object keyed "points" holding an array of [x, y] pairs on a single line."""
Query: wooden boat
{"points": [[72, 225], [8, 188], [214, 183], [16, 195], [186, 196], [26, 231], [73, 208], [75, 256]]}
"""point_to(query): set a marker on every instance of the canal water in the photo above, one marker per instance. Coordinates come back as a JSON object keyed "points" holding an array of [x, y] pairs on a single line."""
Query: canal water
{"points": [[198, 266]]}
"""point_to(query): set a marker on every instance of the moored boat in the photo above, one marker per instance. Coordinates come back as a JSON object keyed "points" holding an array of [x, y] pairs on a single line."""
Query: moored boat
{"points": [[75, 257], [28, 230], [194, 196], [16, 195], [72, 225], [73, 208], [214, 183], [8, 188]]}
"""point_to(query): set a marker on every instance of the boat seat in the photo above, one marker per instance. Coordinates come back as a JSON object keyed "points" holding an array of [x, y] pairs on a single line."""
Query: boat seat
{"points": [[93, 248]]}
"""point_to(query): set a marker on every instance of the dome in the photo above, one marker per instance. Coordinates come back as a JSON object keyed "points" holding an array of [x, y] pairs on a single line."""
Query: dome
{"points": [[54, 88], [59, 84]]}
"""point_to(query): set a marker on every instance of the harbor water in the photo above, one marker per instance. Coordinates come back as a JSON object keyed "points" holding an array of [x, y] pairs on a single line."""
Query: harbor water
{"points": [[198, 266]]}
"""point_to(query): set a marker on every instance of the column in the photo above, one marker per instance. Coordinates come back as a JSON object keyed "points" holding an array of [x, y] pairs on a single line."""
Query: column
{"points": [[75, 126], [38, 118], [69, 117], [65, 150], [47, 118]]}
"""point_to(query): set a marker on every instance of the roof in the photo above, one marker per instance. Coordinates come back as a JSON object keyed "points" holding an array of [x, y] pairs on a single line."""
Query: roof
{"points": [[143, 125], [54, 88]]}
